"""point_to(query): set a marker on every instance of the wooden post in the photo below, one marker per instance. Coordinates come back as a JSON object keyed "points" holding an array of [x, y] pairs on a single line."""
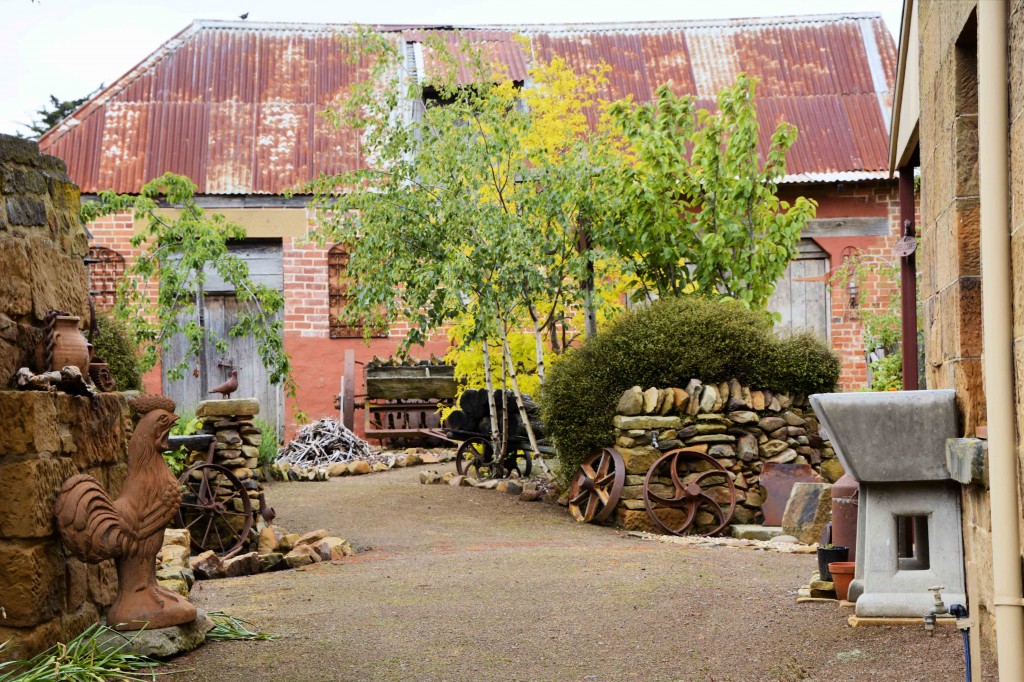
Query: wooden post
{"points": [[908, 282], [348, 391]]}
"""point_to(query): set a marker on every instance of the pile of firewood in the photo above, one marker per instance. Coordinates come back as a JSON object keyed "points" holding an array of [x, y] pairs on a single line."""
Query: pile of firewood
{"points": [[324, 442]]}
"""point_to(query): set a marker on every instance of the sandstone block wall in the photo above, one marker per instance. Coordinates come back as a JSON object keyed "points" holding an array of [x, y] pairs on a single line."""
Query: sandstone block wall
{"points": [[45, 438], [42, 244], [740, 427]]}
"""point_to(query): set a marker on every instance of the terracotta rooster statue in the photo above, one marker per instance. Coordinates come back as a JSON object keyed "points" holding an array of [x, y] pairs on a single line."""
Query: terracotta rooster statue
{"points": [[228, 387], [130, 528]]}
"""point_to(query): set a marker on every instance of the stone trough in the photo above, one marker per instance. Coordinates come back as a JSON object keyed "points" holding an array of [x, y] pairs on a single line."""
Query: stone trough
{"points": [[909, 535]]}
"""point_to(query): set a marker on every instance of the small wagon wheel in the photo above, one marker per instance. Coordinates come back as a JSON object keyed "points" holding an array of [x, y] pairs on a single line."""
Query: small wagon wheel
{"points": [[684, 485], [476, 455], [518, 460], [597, 485], [215, 509]]}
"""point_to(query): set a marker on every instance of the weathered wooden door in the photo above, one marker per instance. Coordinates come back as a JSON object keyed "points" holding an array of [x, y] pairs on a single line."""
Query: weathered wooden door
{"points": [[221, 314], [801, 295]]}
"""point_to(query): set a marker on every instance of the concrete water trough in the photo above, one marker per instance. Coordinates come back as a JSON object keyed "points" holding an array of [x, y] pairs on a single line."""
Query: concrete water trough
{"points": [[909, 535]]}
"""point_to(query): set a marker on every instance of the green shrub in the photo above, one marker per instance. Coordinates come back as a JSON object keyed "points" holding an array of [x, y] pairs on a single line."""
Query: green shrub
{"points": [[268, 442], [112, 343], [666, 344]]}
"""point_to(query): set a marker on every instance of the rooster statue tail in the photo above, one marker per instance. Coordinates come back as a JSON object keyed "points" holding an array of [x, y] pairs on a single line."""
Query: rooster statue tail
{"points": [[88, 521]]}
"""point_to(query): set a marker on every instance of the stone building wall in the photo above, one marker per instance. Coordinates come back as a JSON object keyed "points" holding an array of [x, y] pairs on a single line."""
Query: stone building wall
{"points": [[45, 438]]}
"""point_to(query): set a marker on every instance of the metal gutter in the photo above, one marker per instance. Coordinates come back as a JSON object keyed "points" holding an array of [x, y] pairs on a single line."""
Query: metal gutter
{"points": [[997, 316]]}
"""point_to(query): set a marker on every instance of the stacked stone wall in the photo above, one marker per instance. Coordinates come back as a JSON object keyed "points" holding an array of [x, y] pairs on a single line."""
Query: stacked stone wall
{"points": [[45, 438], [742, 428]]}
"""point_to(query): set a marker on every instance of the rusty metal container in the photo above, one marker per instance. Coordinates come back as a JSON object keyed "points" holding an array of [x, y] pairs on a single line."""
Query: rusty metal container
{"points": [[845, 494]]}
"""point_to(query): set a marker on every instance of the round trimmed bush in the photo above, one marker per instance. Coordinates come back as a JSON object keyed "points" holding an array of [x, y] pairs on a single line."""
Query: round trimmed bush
{"points": [[113, 344], [664, 344]]}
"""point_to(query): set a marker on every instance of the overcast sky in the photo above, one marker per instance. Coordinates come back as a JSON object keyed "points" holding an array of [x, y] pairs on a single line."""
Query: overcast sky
{"points": [[69, 47]]}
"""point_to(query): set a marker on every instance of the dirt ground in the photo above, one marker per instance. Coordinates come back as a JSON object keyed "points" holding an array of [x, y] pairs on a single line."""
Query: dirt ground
{"points": [[472, 585]]}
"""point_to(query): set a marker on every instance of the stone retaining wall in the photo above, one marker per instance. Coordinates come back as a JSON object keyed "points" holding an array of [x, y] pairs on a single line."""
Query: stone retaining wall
{"points": [[740, 427], [45, 438]]}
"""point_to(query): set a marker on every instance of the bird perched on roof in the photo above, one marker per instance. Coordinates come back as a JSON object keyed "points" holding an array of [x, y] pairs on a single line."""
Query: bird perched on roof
{"points": [[243, 17], [228, 387]]}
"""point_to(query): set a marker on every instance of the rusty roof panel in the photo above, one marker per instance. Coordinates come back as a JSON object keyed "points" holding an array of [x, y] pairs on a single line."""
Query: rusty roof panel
{"points": [[236, 106], [229, 162], [500, 47]]}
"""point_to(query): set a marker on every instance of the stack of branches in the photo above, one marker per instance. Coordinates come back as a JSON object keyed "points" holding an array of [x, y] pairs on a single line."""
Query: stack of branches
{"points": [[324, 442]]}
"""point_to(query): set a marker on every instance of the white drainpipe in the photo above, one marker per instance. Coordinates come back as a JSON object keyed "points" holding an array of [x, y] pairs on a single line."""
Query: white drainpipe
{"points": [[996, 286]]}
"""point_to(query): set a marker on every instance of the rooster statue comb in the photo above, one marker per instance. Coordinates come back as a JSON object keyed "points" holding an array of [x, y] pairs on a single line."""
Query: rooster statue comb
{"points": [[130, 529]]}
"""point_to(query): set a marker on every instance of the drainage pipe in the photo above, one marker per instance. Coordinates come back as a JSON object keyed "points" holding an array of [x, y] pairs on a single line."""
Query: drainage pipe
{"points": [[993, 152]]}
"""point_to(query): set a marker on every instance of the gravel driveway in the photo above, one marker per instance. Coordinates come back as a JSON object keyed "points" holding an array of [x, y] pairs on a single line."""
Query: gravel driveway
{"points": [[473, 585]]}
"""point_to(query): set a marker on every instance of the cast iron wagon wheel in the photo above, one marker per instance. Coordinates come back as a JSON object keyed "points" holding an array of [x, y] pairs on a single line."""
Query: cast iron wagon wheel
{"points": [[519, 461], [477, 455], [215, 509], [693, 490], [596, 486]]}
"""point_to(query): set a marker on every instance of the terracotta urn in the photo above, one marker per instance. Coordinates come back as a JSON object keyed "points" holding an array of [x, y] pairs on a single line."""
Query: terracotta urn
{"points": [[69, 346]]}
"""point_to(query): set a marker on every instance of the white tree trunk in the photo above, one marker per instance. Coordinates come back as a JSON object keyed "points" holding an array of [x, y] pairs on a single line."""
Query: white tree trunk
{"points": [[507, 353], [495, 436]]}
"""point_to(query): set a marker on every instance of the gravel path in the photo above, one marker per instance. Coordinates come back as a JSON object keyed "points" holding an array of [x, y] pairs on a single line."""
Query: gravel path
{"points": [[466, 584]]}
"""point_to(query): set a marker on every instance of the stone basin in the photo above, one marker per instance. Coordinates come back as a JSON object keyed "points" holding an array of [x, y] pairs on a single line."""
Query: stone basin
{"points": [[890, 436]]}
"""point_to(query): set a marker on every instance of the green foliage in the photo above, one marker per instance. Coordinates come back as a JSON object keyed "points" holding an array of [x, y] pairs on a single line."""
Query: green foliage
{"points": [[688, 203], [87, 658], [51, 114], [187, 425], [268, 443], [887, 373], [664, 344], [113, 344], [229, 628], [178, 246]]}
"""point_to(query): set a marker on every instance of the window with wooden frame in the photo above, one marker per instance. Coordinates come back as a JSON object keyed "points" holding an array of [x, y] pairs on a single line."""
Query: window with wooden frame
{"points": [[338, 285], [106, 268]]}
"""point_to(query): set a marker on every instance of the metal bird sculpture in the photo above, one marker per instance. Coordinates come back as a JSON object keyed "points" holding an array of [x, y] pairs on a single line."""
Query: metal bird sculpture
{"points": [[228, 387]]}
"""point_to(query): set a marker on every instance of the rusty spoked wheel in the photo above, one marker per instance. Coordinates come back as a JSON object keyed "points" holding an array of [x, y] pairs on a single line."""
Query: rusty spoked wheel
{"points": [[596, 486], [476, 457], [215, 508], [519, 461], [686, 489]]}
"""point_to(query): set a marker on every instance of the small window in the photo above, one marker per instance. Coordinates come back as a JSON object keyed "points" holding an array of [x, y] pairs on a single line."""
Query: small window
{"points": [[912, 543], [106, 268], [338, 285]]}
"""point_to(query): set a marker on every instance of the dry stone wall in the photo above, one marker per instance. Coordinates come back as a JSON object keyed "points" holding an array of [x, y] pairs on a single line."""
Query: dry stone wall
{"points": [[742, 428]]}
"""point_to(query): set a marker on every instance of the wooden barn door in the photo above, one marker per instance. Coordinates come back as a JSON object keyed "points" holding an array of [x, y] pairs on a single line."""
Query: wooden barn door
{"points": [[802, 294], [221, 312]]}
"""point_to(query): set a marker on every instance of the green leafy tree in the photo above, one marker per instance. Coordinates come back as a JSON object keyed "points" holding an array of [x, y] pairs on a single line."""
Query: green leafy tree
{"points": [[689, 203], [179, 245], [53, 113]]}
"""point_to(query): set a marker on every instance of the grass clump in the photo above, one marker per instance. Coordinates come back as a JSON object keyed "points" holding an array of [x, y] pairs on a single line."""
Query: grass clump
{"points": [[112, 343], [268, 442], [89, 657], [227, 628], [665, 344]]}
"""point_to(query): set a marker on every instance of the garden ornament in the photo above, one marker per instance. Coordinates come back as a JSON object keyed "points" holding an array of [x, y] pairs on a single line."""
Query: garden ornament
{"points": [[130, 529]]}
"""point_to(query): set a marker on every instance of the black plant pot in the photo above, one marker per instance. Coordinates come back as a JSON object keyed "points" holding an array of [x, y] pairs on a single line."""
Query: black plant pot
{"points": [[827, 556]]}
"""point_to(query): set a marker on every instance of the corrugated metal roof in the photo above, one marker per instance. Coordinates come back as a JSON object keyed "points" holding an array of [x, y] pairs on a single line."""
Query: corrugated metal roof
{"points": [[235, 105]]}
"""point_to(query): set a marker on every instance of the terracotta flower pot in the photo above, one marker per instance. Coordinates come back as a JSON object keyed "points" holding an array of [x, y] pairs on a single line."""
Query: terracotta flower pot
{"points": [[69, 347], [842, 576]]}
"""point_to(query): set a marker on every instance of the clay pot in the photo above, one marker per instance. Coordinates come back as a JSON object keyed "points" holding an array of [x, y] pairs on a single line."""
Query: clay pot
{"points": [[69, 346], [842, 576]]}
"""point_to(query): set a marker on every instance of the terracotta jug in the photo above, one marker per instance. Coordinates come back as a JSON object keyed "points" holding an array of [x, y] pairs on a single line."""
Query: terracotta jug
{"points": [[69, 346]]}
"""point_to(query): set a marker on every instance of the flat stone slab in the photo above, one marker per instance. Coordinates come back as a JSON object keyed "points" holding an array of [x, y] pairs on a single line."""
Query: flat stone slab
{"points": [[161, 642], [808, 510], [644, 422], [228, 408], [754, 532]]}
